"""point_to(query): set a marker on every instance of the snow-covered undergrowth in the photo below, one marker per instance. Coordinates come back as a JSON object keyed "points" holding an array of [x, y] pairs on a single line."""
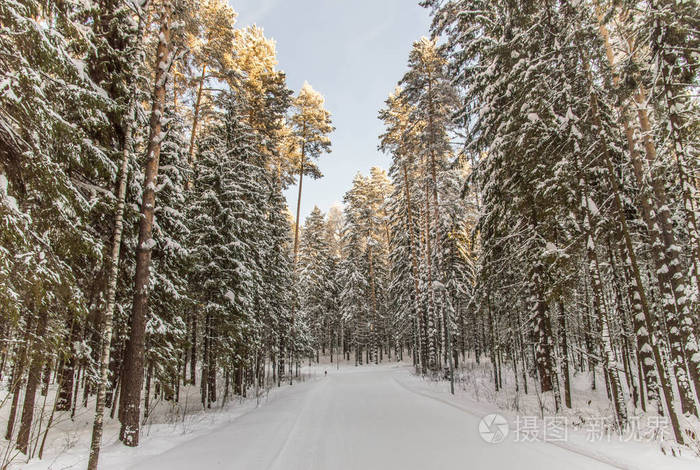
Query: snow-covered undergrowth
{"points": [[588, 426], [589, 431], [168, 425]]}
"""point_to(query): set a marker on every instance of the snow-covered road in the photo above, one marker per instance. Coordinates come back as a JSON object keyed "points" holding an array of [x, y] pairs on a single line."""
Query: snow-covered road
{"points": [[361, 419]]}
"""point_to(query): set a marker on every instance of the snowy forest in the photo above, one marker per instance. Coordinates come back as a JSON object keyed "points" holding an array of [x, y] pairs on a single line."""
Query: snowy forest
{"points": [[538, 221]]}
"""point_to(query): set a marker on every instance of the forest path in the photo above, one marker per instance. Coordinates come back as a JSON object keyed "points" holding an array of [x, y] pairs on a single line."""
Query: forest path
{"points": [[360, 419]]}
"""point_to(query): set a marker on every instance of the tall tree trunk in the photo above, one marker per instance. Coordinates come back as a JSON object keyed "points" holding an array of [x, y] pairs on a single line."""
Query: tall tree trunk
{"points": [[543, 332], [564, 355], [420, 319], [492, 346], [16, 379], [46, 378], [542, 325], [281, 354], [195, 117], [430, 313], [439, 304], [296, 251], [211, 377], [37, 363], [634, 266], [668, 266], [373, 298], [666, 63], [613, 375], [108, 323], [657, 217], [610, 365], [193, 350], [132, 373], [67, 372], [296, 223], [147, 392], [621, 311], [203, 382]]}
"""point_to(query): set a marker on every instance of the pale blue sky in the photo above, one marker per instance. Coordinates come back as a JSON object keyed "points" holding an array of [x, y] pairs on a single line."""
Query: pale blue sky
{"points": [[351, 51]]}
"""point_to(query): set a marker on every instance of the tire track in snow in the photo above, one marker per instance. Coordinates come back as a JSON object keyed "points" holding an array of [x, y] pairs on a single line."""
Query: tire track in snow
{"points": [[275, 462]]}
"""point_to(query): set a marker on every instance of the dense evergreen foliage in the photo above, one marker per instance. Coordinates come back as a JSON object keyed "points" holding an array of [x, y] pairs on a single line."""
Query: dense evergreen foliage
{"points": [[157, 139], [539, 214]]}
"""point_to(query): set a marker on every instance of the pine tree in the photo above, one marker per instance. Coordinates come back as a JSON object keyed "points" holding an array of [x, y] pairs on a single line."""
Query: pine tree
{"points": [[429, 95], [122, 35], [49, 154], [559, 158], [311, 125], [400, 139], [211, 43], [314, 268], [170, 298], [132, 373], [74, 77]]}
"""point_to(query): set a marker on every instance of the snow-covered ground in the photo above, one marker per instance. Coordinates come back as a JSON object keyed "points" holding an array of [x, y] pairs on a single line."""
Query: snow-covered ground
{"points": [[358, 419], [364, 418], [584, 429], [169, 425]]}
